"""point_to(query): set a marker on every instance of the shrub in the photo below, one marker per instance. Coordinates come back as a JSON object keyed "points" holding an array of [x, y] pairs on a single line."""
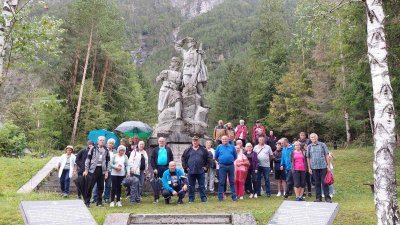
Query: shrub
{"points": [[12, 138]]}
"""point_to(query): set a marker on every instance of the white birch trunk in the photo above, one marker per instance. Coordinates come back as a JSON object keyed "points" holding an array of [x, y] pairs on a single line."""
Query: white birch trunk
{"points": [[8, 13], [78, 107], [385, 190]]}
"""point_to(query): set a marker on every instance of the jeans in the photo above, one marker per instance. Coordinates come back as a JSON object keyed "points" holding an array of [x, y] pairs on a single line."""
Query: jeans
{"points": [[210, 179], [289, 182], [161, 170], [263, 171], [226, 171], [107, 188], [181, 194], [251, 182], [192, 186], [319, 176], [64, 181]]}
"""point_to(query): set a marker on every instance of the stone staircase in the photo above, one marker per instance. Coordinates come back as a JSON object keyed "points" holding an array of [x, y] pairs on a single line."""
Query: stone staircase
{"points": [[189, 219]]}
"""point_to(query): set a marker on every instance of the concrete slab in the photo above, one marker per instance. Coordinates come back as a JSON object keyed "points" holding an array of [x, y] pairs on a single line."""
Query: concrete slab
{"points": [[42, 174], [64, 212], [300, 213], [117, 219]]}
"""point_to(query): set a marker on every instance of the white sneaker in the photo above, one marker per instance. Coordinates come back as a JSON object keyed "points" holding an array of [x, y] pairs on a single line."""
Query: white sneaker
{"points": [[331, 195], [112, 204], [323, 195], [251, 196], [284, 193], [119, 204], [241, 198], [255, 195], [279, 194]]}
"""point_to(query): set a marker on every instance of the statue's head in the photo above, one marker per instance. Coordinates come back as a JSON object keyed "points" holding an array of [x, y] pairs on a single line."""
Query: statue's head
{"points": [[191, 42], [175, 63]]}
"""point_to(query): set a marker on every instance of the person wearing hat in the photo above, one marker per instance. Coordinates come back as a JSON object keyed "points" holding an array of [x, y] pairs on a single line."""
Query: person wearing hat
{"points": [[195, 162], [66, 170], [258, 131], [119, 167]]}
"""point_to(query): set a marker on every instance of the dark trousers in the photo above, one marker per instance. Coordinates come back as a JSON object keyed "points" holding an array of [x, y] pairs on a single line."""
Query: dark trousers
{"points": [[116, 187], [97, 177], [107, 187], [224, 172], [308, 181], [192, 186], [78, 190], [319, 176], [64, 181], [161, 170], [289, 182], [251, 182], [263, 172], [181, 193]]}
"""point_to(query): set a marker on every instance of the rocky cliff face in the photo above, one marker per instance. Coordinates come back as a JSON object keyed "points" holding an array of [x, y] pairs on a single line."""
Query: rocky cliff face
{"points": [[193, 8]]}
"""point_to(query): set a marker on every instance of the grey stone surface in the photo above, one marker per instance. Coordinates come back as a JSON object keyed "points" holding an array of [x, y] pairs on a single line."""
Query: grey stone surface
{"points": [[300, 213], [244, 218], [67, 212], [33, 183], [182, 219], [117, 219]]}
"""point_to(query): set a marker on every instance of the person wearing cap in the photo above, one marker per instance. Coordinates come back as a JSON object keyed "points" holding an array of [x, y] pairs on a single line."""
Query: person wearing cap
{"points": [[258, 131], [80, 161], [66, 170], [195, 162], [118, 166]]}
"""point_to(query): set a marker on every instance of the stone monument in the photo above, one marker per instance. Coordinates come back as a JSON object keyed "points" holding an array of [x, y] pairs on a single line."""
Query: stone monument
{"points": [[181, 103]]}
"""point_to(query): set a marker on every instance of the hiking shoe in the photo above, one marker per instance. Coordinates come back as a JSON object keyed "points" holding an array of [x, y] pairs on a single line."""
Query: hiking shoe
{"points": [[309, 194], [328, 200], [119, 204], [317, 200], [279, 194], [65, 195], [100, 205], [87, 205], [112, 204], [107, 201], [268, 195], [302, 199], [155, 201], [167, 201]]}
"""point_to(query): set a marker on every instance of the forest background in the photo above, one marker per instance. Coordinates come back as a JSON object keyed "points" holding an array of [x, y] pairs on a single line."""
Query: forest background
{"points": [[297, 65]]}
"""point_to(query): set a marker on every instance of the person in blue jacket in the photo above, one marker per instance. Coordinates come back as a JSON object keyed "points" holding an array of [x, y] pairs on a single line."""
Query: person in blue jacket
{"points": [[287, 165], [174, 183]]}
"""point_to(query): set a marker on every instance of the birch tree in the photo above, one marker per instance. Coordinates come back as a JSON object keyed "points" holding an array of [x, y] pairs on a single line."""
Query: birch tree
{"points": [[385, 195]]}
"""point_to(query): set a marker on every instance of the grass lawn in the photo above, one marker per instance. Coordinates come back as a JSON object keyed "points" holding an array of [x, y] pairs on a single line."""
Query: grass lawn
{"points": [[353, 168]]}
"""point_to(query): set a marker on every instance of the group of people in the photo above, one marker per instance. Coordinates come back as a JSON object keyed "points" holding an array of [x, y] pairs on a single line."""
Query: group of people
{"points": [[234, 161]]}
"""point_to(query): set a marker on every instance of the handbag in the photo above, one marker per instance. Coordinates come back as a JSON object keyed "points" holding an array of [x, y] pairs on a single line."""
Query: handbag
{"points": [[329, 178]]}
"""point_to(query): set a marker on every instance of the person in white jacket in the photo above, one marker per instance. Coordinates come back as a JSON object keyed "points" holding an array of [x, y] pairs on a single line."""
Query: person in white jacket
{"points": [[139, 164], [66, 169]]}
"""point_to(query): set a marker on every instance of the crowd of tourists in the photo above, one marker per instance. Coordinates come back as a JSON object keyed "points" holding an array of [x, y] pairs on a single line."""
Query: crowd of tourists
{"points": [[103, 169]]}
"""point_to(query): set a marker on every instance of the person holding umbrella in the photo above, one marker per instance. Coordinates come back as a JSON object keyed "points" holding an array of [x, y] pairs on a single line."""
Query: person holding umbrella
{"points": [[161, 157]]}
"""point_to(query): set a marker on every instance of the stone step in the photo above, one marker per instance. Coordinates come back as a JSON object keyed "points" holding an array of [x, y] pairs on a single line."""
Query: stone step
{"points": [[181, 219]]}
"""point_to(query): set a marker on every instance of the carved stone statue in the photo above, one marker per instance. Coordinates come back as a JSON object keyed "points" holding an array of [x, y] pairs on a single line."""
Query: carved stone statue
{"points": [[194, 70], [170, 94]]}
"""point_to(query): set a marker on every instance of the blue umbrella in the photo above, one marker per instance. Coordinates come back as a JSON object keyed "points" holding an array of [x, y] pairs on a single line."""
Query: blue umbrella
{"points": [[94, 134]]}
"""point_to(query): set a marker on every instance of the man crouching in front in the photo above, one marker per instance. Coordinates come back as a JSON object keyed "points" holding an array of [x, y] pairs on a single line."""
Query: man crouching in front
{"points": [[174, 183]]}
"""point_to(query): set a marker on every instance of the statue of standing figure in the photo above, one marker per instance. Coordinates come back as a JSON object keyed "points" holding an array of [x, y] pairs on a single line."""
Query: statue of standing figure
{"points": [[170, 92], [194, 70]]}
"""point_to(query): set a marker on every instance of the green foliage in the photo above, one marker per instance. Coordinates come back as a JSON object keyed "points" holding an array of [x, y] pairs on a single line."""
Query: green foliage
{"points": [[12, 138], [43, 118]]}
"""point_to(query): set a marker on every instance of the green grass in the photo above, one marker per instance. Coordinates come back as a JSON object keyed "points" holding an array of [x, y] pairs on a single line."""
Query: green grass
{"points": [[353, 168]]}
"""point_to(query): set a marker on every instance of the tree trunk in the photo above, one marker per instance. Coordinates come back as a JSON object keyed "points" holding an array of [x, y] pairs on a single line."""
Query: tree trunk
{"points": [[94, 63], [78, 107], [103, 79], [75, 74], [8, 14], [348, 135], [385, 193]]}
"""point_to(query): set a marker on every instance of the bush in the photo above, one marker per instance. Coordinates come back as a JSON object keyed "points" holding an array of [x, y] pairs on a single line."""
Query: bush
{"points": [[12, 138]]}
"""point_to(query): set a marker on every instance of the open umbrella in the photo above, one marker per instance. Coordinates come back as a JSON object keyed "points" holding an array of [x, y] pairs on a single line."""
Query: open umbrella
{"points": [[94, 134], [135, 128]]}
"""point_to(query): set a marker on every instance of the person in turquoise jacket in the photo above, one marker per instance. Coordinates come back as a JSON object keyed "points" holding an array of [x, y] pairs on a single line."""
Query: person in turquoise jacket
{"points": [[287, 149], [174, 183]]}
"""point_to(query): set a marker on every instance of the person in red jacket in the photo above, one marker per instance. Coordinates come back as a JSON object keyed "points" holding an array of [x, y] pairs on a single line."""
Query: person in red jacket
{"points": [[241, 132], [258, 131]]}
